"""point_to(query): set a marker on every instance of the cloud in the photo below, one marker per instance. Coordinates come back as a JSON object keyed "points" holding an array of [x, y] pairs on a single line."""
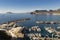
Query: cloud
{"points": [[15, 11]]}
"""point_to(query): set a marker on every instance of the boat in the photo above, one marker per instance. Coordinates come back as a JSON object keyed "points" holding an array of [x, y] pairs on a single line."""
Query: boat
{"points": [[58, 27], [49, 29], [40, 22], [35, 28], [47, 22]]}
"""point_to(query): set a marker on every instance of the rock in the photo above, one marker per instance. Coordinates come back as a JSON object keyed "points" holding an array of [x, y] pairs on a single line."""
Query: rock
{"points": [[3, 26], [13, 34], [16, 32], [4, 35]]}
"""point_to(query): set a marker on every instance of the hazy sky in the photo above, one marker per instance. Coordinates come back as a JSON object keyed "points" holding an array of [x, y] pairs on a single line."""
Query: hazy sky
{"points": [[27, 5]]}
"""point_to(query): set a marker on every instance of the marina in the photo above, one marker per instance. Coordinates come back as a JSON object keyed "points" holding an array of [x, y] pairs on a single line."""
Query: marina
{"points": [[47, 22], [35, 30], [29, 19]]}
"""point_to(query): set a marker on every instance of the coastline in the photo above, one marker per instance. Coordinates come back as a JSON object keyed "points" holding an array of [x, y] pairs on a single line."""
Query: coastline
{"points": [[47, 13], [56, 14]]}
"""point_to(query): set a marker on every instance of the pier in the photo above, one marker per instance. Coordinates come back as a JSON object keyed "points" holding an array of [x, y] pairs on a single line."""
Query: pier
{"points": [[20, 20], [12, 24], [48, 22]]}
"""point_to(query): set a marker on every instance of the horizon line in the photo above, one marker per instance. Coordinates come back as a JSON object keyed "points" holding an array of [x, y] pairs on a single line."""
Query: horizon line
{"points": [[23, 11]]}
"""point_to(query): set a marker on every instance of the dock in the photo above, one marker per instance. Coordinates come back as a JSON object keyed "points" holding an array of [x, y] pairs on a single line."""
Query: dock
{"points": [[12, 23], [17, 20], [48, 22], [20, 20]]}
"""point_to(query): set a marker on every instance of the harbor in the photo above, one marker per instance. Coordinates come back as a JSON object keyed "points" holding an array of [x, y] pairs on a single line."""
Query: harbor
{"points": [[33, 33], [29, 19], [29, 28], [47, 22]]}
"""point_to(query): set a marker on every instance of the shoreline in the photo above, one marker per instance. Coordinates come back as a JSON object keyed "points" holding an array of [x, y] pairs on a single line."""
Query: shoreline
{"points": [[47, 13], [56, 14]]}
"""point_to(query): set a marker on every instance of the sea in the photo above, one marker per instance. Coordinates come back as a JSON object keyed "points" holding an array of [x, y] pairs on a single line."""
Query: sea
{"points": [[29, 23]]}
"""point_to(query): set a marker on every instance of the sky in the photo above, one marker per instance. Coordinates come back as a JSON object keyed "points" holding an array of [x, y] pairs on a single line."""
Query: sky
{"points": [[20, 6]]}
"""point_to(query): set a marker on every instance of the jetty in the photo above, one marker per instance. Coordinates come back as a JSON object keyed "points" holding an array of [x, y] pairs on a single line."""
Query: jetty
{"points": [[15, 21], [12, 24], [48, 22], [20, 20]]}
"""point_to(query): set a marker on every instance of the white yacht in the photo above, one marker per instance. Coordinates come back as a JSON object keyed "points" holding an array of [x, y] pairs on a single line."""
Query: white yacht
{"points": [[58, 27], [38, 22], [36, 28], [49, 29]]}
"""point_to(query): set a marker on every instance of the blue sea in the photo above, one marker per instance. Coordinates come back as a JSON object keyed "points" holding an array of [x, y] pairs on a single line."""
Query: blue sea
{"points": [[29, 23]]}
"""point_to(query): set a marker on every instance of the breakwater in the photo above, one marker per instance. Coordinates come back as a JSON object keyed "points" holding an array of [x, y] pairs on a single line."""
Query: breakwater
{"points": [[48, 22]]}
